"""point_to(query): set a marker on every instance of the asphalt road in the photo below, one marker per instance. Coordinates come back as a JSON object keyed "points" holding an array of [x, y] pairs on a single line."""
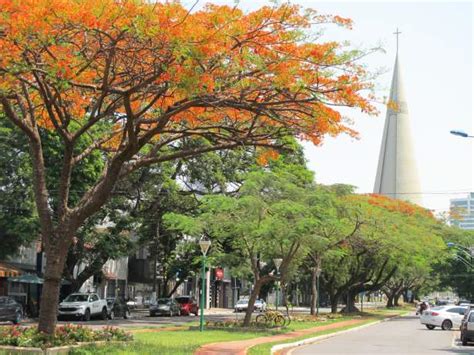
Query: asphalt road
{"points": [[404, 335]]}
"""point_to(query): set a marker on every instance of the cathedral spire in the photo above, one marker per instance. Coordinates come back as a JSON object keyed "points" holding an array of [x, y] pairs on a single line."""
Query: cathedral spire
{"points": [[397, 174], [397, 33]]}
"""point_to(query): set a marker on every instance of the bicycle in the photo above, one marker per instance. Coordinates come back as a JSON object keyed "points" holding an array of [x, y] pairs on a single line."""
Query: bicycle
{"points": [[272, 319]]}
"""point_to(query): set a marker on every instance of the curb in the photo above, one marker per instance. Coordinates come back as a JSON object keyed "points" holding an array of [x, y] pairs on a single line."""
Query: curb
{"points": [[296, 344]]}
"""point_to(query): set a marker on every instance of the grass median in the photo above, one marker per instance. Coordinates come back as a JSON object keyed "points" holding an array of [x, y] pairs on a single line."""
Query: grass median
{"points": [[187, 341]]}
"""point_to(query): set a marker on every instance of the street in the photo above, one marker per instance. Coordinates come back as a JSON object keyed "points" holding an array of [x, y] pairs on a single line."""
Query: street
{"points": [[402, 335]]}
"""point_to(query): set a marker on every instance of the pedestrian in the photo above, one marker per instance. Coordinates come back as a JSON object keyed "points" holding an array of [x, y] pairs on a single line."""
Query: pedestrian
{"points": [[423, 307]]}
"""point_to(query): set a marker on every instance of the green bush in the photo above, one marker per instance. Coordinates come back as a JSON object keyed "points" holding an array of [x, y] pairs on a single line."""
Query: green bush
{"points": [[64, 335]]}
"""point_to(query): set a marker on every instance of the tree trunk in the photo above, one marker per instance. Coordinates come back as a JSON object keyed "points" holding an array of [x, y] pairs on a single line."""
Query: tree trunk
{"points": [[50, 294], [405, 296], [350, 303], [389, 301], [253, 298], [334, 298], [314, 291], [396, 299], [175, 287], [284, 296]]}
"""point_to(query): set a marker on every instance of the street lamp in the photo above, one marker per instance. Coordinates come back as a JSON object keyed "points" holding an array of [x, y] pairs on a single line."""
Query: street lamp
{"points": [[468, 252], [205, 244], [318, 273], [461, 134], [277, 262]]}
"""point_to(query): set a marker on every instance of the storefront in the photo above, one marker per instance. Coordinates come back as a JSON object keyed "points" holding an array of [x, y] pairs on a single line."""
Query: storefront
{"points": [[6, 271], [26, 289]]}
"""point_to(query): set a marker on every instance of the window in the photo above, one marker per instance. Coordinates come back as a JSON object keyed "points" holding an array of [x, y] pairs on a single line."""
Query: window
{"points": [[94, 298], [471, 317], [76, 298]]}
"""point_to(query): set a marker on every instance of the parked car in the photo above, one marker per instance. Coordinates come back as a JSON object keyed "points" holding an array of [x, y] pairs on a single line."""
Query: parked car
{"points": [[83, 306], [132, 304], [165, 306], [445, 317], [467, 328], [242, 305], [10, 310], [469, 308], [188, 305], [117, 308], [260, 305], [147, 301]]}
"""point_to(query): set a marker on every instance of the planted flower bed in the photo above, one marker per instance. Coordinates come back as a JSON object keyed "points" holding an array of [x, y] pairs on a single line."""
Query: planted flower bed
{"points": [[12, 337]]}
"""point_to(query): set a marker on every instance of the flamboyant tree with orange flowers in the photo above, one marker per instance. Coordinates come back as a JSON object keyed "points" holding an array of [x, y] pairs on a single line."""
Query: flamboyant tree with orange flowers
{"points": [[144, 82]]}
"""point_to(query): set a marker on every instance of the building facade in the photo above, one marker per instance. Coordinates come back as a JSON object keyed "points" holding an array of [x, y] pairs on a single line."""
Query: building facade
{"points": [[462, 210], [14, 276]]}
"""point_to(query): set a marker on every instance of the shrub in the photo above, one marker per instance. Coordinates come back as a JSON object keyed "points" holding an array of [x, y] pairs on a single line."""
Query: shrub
{"points": [[64, 335]]}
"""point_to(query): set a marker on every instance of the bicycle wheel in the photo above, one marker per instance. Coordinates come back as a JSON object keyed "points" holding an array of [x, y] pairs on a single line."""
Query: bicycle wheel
{"points": [[261, 319], [279, 320]]}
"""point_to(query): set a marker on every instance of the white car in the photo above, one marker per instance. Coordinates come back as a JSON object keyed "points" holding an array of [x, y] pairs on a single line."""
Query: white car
{"points": [[83, 306], [132, 303], [445, 317], [243, 304]]}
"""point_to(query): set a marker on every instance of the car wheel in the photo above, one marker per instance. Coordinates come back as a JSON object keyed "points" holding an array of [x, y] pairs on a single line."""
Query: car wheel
{"points": [[429, 326], [87, 315], [127, 314], [17, 318], [447, 324], [103, 314]]}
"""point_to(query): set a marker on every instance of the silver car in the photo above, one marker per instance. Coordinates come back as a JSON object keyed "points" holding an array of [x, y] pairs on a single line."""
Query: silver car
{"points": [[243, 304], [165, 306]]}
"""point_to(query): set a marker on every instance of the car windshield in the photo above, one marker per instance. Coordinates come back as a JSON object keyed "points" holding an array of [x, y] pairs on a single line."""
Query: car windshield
{"points": [[243, 302], [76, 298], [164, 301], [182, 300], [438, 308]]}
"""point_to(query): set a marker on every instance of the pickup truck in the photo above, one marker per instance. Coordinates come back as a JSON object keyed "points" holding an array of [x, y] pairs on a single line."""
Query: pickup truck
{"points": [[83, 306]]}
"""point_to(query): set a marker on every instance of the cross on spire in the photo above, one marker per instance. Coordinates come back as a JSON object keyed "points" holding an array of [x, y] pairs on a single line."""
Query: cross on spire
{"points": [[397, 33]]}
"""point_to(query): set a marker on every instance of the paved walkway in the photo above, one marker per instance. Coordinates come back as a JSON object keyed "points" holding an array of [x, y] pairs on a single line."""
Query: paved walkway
{"points": [[240, 347]]}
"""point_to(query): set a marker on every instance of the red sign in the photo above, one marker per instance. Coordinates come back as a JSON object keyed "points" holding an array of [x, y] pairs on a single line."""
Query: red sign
{"points": [[219, 274]]}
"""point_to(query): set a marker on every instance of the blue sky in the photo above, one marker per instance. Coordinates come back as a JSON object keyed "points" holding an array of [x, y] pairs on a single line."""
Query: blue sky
{"points": [[437, 65]]}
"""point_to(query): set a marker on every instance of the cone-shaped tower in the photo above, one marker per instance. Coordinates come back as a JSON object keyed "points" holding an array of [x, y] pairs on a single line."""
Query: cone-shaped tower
{"points": [[397, 174]]}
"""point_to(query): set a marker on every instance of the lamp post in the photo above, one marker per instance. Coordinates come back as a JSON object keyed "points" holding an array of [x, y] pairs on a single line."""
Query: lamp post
{"points": [[277, 262], [468, 252], [205, 244], [318, 273], [461, 134]]}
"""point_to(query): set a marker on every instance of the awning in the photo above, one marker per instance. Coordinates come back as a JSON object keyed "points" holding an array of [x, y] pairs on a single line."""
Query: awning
{"points": [[27, 279], [7, 270]]}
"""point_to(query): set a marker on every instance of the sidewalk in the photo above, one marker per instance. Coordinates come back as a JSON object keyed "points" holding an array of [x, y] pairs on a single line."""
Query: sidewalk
{"points": [[240, 347]]}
